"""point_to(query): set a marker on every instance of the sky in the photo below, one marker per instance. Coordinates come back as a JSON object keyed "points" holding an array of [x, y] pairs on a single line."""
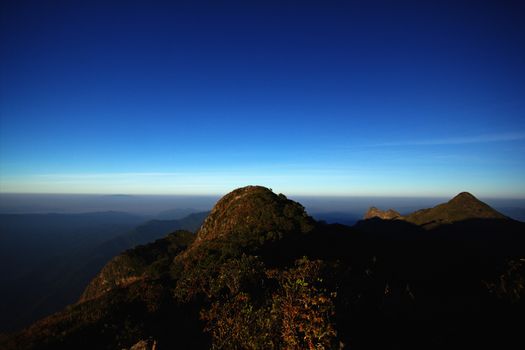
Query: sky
{"points": [[380, 98]]}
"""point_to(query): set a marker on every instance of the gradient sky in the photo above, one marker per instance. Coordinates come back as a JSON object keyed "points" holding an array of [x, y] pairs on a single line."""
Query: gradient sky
{"points": [[329, 97]]}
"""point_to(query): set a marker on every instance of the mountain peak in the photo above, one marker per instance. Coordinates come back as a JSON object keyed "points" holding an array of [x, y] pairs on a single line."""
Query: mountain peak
{"points": [[389, 214], [253, 211], [463, 206], [464, 197]]}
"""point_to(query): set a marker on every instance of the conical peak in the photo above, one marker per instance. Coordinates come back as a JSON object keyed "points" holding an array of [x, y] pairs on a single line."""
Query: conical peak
{"points": [[464, 196], [462, 207]]}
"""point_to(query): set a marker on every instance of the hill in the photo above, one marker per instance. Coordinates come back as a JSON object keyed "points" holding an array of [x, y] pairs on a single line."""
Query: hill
{"points": [[37, 251], [38, 278], [462, 207], [138, 263]]}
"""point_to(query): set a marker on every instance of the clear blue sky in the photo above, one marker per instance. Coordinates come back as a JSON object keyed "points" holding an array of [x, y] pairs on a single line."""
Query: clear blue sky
{"points": [[327, 97]]}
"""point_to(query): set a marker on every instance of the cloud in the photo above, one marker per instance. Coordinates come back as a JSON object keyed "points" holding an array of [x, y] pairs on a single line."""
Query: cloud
{"points": [[463, 140], [107, 175]]}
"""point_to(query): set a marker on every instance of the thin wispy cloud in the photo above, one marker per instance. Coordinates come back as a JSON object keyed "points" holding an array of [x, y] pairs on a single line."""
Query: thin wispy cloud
{"points": [[462, 140], [106, 175]]}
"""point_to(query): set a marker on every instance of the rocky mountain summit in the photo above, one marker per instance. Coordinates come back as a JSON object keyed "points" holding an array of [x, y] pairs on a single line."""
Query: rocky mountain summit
{"points": [[254, 210], [389, 214]]}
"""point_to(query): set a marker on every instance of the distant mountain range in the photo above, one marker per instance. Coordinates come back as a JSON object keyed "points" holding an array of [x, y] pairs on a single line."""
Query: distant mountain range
{"points": [[460, 208], [174, 214], [47, 259], [262, 273], [457, 204]]}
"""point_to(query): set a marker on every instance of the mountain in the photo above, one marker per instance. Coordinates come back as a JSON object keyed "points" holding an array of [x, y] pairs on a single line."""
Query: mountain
{"points": [[138, 263], [174, 214], [38, 253], [149, 232], [43, 235], [339, 217], [462, 207], [373, 212], [253, 214], [63, 252], [261, 273]]}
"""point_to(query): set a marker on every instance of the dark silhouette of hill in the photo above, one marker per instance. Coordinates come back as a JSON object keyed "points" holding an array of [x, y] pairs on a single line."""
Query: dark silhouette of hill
{"points": [[50, 258], [337, 217], [149, 232], [262, 274], [175, 214], [36, 250], [43, 235]]}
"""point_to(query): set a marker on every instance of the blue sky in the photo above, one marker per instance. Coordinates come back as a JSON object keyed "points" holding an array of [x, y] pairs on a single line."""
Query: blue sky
{"points": [[325, 98]]}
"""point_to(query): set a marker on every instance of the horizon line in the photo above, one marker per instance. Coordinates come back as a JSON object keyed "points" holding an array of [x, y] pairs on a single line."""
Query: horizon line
{"points": [[287, 195]]}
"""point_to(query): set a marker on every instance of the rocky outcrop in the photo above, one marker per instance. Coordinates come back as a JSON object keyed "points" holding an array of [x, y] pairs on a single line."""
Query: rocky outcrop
{"points": [[389, 214], [136, 264], [119, 272]]}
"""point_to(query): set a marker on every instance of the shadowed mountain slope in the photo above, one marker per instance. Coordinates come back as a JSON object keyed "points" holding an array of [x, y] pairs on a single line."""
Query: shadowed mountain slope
{"points": [[76, 250], [40, 255], [143, 261]]}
